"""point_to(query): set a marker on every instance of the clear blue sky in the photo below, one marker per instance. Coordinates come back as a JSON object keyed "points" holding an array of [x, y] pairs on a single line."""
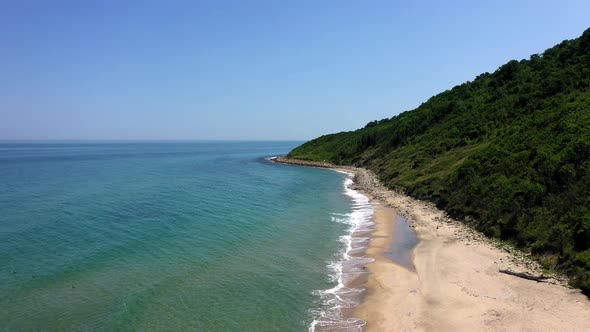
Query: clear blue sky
{"points": [[250, 69]]}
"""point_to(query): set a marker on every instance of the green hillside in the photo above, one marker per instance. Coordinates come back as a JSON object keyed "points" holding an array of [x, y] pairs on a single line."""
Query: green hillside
{"points": [[508, 153]]}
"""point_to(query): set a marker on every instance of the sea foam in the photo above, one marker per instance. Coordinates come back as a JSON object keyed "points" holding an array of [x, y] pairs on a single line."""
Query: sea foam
{"points": [[348, 266]]}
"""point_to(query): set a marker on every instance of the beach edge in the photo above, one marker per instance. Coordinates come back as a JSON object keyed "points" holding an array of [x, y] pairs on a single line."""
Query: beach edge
{"points": [[457, 285]]}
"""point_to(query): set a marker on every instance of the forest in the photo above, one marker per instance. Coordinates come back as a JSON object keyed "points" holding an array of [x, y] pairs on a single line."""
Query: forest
{"points": [[508, 153]]}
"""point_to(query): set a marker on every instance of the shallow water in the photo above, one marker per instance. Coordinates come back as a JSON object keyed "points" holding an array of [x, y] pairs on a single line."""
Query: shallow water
{"points": [[205, 236], [403, 243], [349, 268]]}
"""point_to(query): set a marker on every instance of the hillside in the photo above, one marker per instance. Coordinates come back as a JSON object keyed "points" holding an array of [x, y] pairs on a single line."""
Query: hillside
{"points": [[509, 153]]}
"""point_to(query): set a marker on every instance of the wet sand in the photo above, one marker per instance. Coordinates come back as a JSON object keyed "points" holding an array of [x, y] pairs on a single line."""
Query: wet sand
{"points": [[389, 285], [456, 285]]}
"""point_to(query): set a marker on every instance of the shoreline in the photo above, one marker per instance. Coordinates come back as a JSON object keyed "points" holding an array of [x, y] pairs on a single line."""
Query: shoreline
{"points": [[457, 285], [350, 269]]}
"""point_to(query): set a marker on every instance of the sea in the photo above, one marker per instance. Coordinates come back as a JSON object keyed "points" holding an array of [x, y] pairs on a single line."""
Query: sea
{"points": [[176, 236]]}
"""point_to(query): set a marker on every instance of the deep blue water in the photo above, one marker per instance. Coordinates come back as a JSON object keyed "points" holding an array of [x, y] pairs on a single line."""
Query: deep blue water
{"points": [[178, 236]]}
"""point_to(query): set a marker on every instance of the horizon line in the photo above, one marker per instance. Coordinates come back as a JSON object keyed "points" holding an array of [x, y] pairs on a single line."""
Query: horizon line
{"points": [[2, 140]]}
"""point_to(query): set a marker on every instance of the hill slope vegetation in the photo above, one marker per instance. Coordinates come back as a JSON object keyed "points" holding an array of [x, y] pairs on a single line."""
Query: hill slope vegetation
{"points": [[509, 153]]}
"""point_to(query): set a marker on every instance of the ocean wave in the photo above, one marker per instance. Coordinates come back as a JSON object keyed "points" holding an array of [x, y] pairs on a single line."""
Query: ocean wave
{"points": [[348, 265]]}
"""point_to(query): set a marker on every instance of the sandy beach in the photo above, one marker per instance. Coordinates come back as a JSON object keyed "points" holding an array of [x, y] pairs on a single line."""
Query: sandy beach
{"points": [[456, 285]]}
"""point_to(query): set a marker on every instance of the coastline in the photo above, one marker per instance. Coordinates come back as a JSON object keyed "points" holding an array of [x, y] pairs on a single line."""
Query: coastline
{"points": [[349, 268], [457, 285]]}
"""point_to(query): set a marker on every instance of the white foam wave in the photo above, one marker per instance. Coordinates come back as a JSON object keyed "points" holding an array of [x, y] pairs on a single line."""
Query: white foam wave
{"points": [[345, 267]]}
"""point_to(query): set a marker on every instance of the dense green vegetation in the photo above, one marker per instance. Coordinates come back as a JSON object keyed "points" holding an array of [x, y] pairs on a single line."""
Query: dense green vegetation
{"points": [[509, 153]]}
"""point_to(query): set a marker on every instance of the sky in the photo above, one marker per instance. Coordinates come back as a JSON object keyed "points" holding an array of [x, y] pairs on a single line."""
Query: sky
{"points": [[249, 69]]}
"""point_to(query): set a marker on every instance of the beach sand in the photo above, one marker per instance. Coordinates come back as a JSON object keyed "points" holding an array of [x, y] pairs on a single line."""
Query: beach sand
{"points": [[390, 299], [456, 285]]}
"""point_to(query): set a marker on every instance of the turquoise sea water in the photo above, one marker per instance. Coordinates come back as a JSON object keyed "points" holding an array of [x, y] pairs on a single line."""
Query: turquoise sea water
{"points": [[184, 236]]}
